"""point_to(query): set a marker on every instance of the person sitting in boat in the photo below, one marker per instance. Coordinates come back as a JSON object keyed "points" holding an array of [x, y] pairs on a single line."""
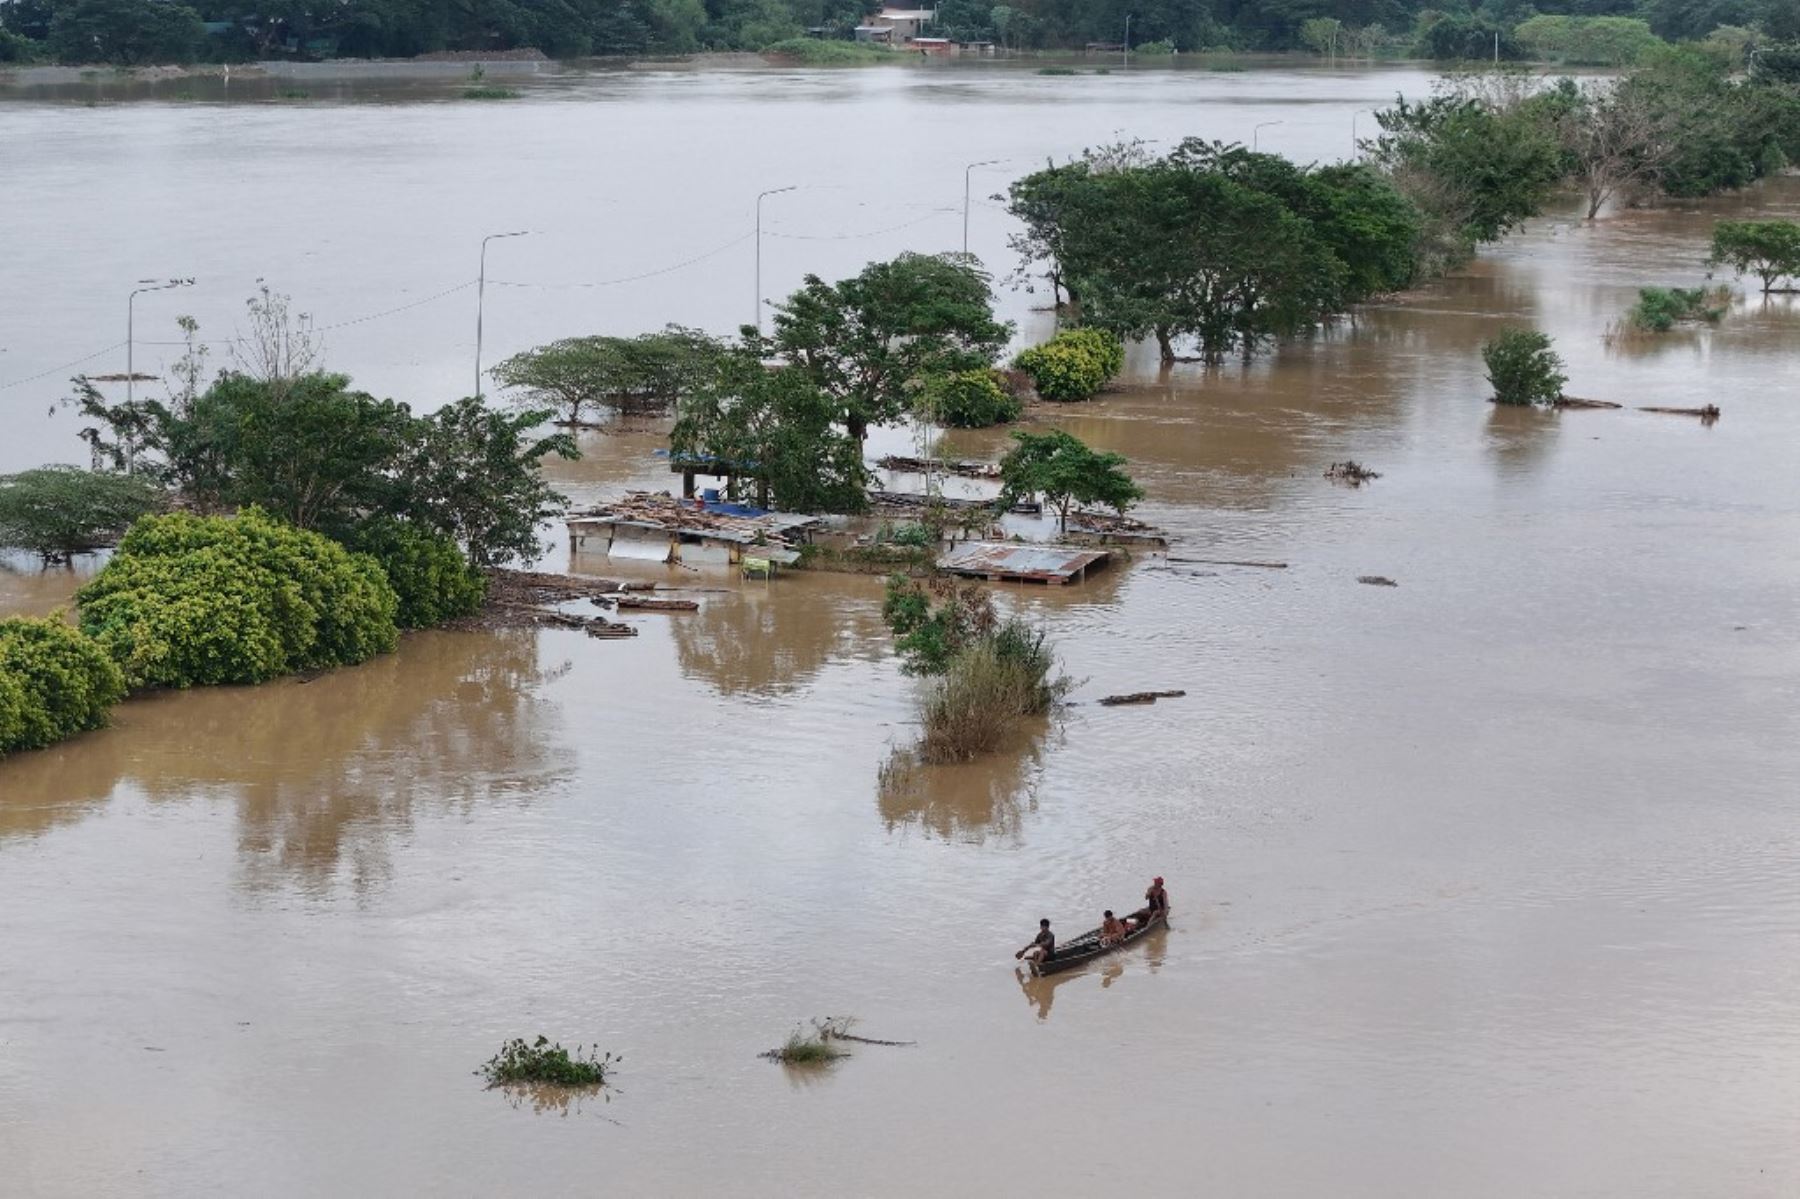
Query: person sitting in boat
{"points": [[1042, 945], [1112, 929]]}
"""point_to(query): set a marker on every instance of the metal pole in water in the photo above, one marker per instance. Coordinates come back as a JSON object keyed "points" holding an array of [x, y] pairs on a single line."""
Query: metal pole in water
{"points": [[481, 299], [774, 191], [966, 171]]}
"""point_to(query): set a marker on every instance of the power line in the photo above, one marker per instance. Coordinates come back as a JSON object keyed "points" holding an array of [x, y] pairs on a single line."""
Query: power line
{"points": [[55, 370], [667, 270]]}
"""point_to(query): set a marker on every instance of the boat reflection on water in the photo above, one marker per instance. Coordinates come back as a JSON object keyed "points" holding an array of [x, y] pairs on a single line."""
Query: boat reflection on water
{"points": [[1040, 991]]}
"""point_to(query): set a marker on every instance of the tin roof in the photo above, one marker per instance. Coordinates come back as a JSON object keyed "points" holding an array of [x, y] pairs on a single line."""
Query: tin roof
{"points": [[1034, 563]]}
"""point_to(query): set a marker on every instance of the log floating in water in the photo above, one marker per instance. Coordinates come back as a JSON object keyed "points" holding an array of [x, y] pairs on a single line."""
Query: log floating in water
{"points": [[1228, 562], [1376, 580], [1707, 415], [641, 604], [1577, 402], [1140, 697]]}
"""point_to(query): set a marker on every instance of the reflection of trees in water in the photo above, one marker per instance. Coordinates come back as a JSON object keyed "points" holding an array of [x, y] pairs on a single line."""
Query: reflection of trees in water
{"points": [[965, 801], [324, 773], [1520, 437], [545, 1100], [773, 640]]}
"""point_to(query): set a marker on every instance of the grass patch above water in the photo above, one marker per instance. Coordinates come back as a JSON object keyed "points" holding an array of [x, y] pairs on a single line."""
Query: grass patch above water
{"points": [[542, 1061], [490, 92], [817, 52]]}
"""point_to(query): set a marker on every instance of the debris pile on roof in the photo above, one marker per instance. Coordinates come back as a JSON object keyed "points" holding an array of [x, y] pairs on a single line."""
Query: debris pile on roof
{"points": [[942, 466], [737, 523]]}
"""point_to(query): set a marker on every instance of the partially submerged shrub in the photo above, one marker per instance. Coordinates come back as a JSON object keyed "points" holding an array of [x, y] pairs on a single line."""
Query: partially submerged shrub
{"points": [[432, 579], [59, 511], [550, 1064], [936, 620], [490, 92], [1160, 47], [1073, 365], [969, 400], [192, 600], [1522, 368], [1658, 309], [987, 690], [54, 683]]}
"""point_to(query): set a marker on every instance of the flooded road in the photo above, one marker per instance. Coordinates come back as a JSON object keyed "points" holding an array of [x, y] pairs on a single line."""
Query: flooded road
{"points": [[1484, 885]]}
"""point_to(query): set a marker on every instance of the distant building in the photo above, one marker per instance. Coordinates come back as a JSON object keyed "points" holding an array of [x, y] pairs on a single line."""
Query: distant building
{"points": [[883, 34], [905, 22]]}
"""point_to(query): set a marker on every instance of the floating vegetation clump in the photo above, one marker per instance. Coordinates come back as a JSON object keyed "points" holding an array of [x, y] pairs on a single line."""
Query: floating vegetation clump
{"points": [[542, 1061], [1350, 471], [489, 92]]}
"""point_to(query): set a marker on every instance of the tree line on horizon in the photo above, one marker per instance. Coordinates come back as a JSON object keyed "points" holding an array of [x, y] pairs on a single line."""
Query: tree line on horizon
{"points": [[130, 32]]}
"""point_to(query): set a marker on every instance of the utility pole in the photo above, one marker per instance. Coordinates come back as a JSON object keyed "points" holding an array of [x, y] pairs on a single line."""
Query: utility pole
{"points": [[1125, 53], [966, 172], [1256, 132], [774, 191], [144, 285], [481, 299]]}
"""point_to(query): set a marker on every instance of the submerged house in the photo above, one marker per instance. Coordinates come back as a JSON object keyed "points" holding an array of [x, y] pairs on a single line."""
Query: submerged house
{"points": [[657, 527]]}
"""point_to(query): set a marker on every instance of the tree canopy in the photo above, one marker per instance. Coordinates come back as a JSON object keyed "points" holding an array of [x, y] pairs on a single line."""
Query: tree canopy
{"points": [[643, 374], [870, 342], [1064, 470]]}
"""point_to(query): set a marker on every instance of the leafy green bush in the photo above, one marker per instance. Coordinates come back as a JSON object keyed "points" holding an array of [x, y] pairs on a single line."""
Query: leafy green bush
{"points": [[542, 1062], [1073, 365], [1057, 71], [1522, 368], [969, 400], [1162, 46], [431, 577], [59, 511], [54, 683], [1064, 470], [1659, 308], [491, 92], [817, 52], [192, 600]]}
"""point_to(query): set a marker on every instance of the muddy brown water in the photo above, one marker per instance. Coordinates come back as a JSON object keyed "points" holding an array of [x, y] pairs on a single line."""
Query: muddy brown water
{"points": [[1484, 884]]}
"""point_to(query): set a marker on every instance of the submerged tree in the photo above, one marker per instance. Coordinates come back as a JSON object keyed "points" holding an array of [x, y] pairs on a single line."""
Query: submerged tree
{"points": [[647, 373], [1770, 250], [1523, 368], [1065, 471], [870, 342], [778, 426], [57, 512]]}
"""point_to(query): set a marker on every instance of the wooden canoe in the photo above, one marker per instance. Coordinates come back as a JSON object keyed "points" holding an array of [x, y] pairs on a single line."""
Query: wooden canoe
{"points": [[1087, 947]]}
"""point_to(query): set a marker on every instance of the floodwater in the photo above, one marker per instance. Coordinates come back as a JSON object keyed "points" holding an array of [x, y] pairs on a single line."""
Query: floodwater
{"points": [[1484, 884]]}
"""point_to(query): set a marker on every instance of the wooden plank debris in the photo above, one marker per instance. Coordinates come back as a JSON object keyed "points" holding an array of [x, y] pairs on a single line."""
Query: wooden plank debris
{"points": [[1140, 697]]}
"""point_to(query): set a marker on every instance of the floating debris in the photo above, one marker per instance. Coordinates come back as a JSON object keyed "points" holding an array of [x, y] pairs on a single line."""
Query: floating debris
{"points": [[1228, 562], [1376, 580], [1707, 415], [1140, 697], [1350, 471], [657, 527], [638, 603], [1576, 402], [1109, 527], [940, 466]]}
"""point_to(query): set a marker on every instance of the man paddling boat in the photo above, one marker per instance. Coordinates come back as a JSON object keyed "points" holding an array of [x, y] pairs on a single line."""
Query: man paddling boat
{"points": [[1042, 945]]}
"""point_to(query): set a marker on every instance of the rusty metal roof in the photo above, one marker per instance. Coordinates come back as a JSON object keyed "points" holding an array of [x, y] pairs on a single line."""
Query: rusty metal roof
{"points": [[1032, 563]]}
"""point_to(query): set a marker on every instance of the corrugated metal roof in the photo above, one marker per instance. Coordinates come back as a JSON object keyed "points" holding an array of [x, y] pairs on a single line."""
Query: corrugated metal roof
{"points": [[1003, 560]]}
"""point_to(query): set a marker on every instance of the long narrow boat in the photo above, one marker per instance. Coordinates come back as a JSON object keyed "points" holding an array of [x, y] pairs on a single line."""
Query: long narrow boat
{"points": [[1087, 947]]}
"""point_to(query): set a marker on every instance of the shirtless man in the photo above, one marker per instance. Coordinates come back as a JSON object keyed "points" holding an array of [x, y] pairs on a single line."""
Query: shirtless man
{"points": [[1042, 945], [1112, 929]]}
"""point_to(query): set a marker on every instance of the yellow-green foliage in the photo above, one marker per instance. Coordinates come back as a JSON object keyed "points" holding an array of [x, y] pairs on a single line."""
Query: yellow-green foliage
{"points": [[431, 577], [54, 683], [191, 600], [969, 400], [1073, 365]]}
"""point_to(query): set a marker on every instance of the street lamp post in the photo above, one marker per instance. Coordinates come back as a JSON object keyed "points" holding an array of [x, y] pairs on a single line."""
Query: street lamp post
{"points": [[966, 172], [1125, 51], [130, 321], [481, 299], [1256, 131], [773, 191]]}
